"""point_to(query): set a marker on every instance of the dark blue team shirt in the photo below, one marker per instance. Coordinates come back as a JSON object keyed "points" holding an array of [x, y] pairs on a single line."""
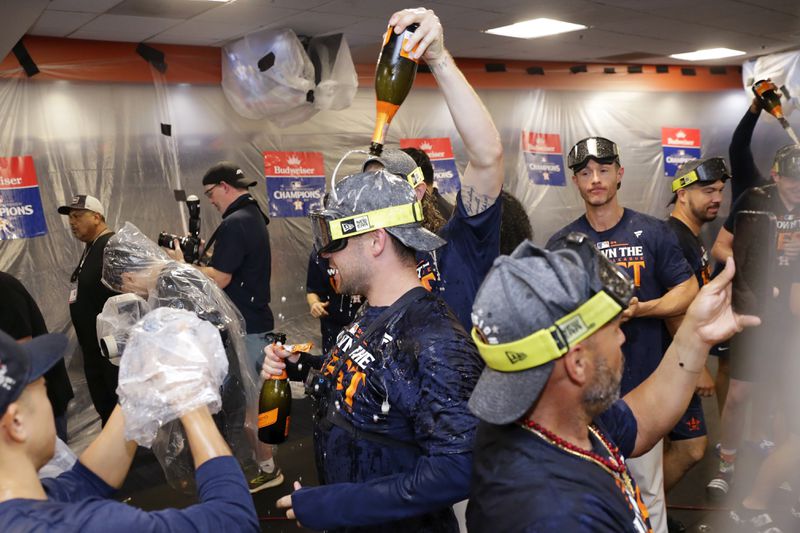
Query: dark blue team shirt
{"points": [[410, 385], [649, 252], [456, 270], [522, 483], [319, 280], [78, 502], [242, 250], [693, 250]]}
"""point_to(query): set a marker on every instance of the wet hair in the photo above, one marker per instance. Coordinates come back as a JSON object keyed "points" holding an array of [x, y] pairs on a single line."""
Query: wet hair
{"points": [[432, 219], [515, 226], [423, 162]]}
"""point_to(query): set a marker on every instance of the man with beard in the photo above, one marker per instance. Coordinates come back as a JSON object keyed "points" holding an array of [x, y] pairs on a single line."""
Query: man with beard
{"points": [[550, 450], [697, 189], [760, 356], [473, 232], [393, 434], [649, 252]]}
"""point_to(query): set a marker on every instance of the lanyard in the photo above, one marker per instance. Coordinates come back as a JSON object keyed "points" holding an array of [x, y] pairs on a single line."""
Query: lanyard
{"points": [[77, 272]]}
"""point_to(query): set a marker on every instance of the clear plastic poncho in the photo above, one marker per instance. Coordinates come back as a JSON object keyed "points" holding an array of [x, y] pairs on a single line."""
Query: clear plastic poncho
{"points": [[133, 263], [114, 323]]}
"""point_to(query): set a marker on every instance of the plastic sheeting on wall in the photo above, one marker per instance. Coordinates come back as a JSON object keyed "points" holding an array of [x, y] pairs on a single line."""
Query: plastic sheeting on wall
{"points": [[105, 140], [783, 69]]}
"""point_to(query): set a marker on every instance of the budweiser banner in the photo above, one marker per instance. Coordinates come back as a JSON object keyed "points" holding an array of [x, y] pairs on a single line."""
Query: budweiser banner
{"points": [[21, 213], [680, 145], [445, 173], [295, 182], [543, 158]]}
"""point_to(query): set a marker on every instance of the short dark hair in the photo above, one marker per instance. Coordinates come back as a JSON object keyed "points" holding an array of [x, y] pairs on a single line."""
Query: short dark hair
{"points": [[423, 162], [515, 226], [408, 256]]}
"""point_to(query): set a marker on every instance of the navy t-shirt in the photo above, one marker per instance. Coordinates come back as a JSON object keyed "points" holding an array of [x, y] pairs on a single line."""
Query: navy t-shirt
{"points": [[521, 482], [410, 384], [78, 501], [693, 250], [768, 199], [648, 250], [456, 270], [242, 250]]}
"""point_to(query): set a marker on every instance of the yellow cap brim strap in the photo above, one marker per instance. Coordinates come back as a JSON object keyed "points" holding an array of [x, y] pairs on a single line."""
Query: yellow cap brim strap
{"points": [[684, 180], [549, 344], [381, 218]]}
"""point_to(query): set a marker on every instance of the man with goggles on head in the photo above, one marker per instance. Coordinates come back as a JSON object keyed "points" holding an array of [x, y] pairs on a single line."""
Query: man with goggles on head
{"points": [[550, 452], [763, 355], [648, 251], [697, 195], [393, 433]]}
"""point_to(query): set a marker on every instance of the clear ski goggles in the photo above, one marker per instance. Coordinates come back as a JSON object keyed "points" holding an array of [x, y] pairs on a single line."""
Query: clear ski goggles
{"points": [[708, 171], [598, 148]]}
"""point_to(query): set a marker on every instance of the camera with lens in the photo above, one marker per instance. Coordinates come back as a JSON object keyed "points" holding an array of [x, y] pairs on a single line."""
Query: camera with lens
{"points": [[190, 244]]}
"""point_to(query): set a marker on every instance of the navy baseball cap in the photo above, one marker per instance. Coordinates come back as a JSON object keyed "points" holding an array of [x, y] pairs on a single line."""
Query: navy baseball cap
{"points": [[23, 363]]}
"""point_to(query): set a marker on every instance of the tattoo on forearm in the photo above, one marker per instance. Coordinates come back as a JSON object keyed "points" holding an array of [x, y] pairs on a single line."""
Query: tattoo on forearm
{"points": [[474, 202]]}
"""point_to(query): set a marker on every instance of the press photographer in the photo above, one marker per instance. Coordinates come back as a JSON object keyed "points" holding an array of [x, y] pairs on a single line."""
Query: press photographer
{"points": [[240, 265], [190, 245]]}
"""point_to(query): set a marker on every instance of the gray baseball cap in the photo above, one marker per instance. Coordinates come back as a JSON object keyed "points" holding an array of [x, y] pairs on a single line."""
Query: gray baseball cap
{"points": [[523, 293], [367, 192], [395, 161]]}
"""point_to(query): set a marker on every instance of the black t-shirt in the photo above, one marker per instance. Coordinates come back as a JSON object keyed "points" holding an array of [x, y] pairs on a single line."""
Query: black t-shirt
{"points": [[242, 250], [521, 482], [693, 250], [342, 307], [768, 199], [92, 295], [20, 317]]}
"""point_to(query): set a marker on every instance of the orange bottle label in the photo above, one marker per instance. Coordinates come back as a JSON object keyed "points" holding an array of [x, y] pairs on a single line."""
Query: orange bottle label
{"points": [[268, 418], [286, 429], [403, 52], [385, 114], [303, 347]]}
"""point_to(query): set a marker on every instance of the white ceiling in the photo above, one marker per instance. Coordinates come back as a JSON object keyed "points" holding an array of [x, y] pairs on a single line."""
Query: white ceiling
{"points": [[643, 31]]}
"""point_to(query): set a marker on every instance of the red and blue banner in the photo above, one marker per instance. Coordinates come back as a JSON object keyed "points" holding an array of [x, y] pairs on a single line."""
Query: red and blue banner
{"points": [[544, 158], [440, 151], [21, 214], [295, 182], [680, 145]]}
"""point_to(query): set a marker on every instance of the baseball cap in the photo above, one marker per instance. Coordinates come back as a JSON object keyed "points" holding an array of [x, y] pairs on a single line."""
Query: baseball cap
{"points": [[531, 308], [24, 363], [83, 201], [707, 170], [398, 162], [787, 161], [229, 173], [364, 202], [600, 149]]}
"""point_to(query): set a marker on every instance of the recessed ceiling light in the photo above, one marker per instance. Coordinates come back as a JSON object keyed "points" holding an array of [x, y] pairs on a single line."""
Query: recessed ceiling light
{"points": [[531, 29], [709, 53]]}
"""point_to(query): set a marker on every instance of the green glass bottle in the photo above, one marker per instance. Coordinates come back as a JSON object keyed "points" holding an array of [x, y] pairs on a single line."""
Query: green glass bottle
{"points": [[274, 410], [394, 77]]}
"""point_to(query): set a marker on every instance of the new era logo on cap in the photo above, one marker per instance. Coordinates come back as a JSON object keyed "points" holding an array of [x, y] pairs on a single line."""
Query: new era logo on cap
{"points": [[83, 201]]}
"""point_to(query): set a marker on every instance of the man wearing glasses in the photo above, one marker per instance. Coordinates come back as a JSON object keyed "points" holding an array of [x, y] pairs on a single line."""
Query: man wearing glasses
{"points": [[240, 266], [88, 295]]}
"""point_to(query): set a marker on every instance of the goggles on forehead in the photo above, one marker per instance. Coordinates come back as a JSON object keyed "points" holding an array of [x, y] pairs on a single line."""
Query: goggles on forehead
{"points": [[548, 344], [597, 148], [709, 171], [331, 233], [787, 162]]}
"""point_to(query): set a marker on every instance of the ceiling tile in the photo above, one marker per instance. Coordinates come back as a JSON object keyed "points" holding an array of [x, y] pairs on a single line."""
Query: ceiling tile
{"points": [[211, 31], [59, 23], [123, 28], [174, 9], [84, 6], [248, 12]]}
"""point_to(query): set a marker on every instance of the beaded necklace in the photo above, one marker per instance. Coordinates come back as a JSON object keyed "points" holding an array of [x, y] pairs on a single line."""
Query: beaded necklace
{"points": [[615, 467]]}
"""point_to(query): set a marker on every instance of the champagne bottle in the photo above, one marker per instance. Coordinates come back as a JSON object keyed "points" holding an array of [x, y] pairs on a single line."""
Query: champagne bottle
{"points": [[274, 410], [768, 98], [394, 77]]}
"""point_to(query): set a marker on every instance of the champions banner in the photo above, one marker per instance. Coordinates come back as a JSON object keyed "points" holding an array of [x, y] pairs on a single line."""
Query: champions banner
{"points": [[440, 150], [295, 182], [680, 145], [21, 213], [544, 158]]}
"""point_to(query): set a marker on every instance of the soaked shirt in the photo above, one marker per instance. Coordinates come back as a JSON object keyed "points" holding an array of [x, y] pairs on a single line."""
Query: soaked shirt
{"points": [[456, 270], [649, 252], [524, 483], [409, 385], [788, 228]]}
